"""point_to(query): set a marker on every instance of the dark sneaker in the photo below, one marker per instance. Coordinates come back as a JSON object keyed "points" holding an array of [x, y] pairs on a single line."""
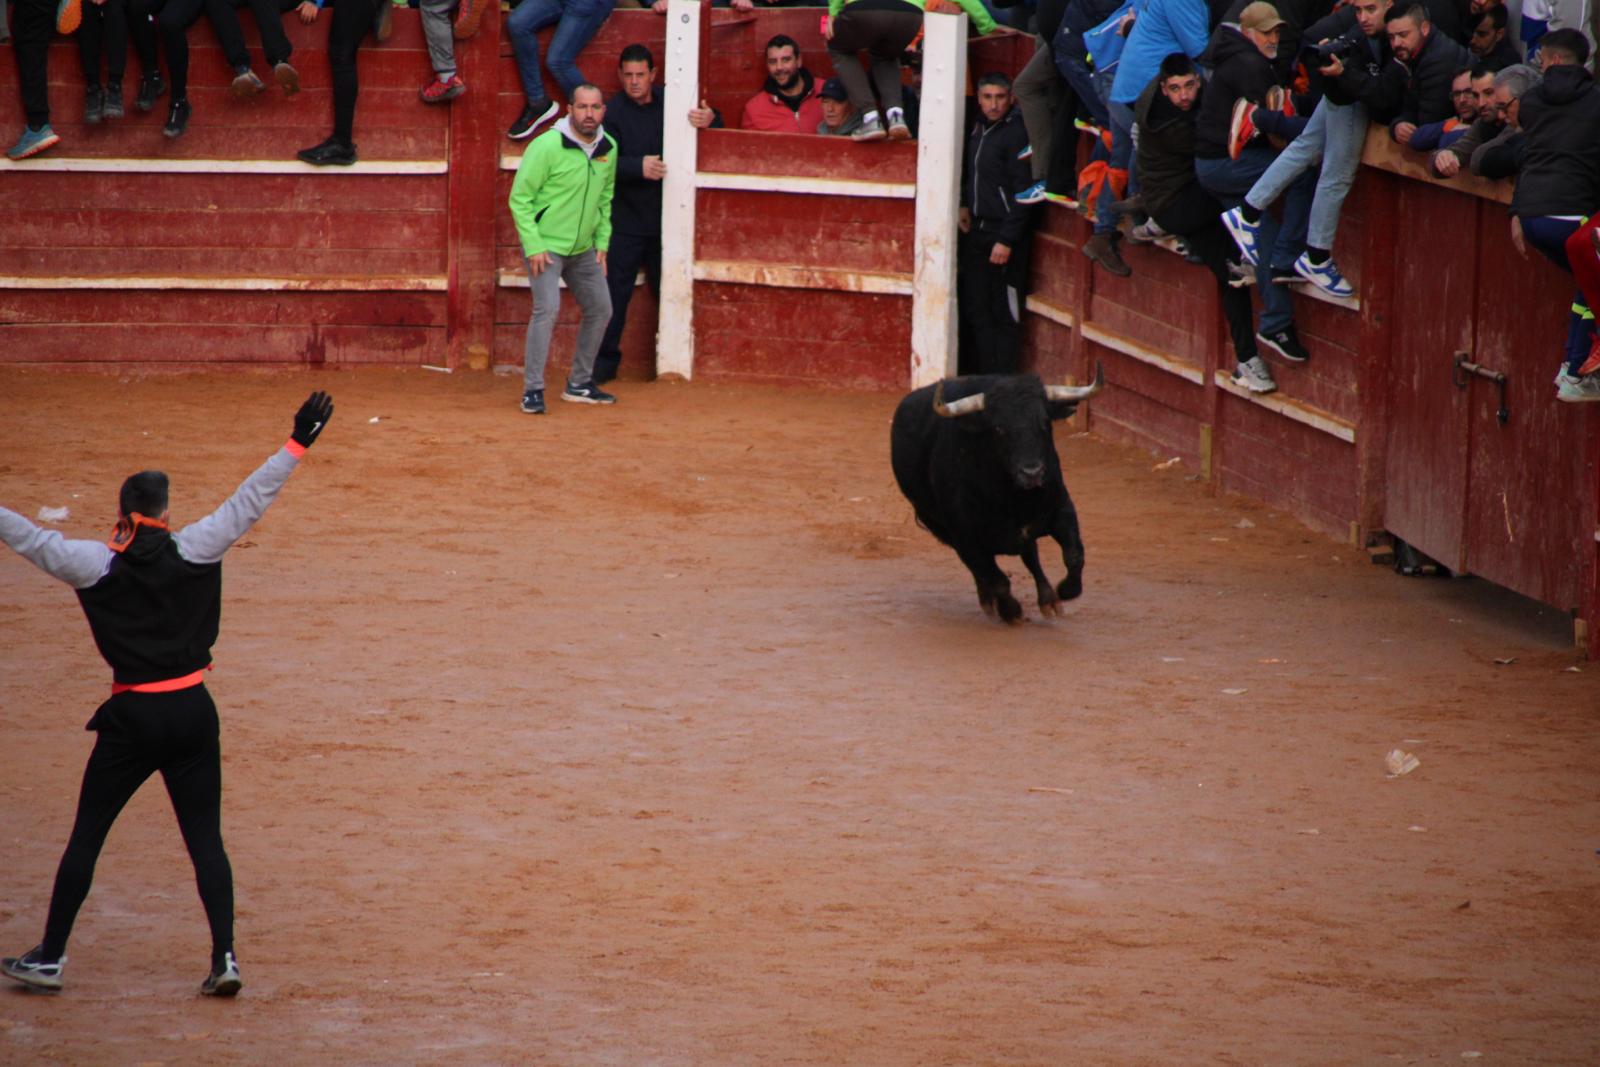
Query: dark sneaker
{"points": [[437, 92], [245, 82], [533, 402], [224, 981], [32, 142], [177, 118], [330, 153], [150, 88], [94, 104], [533, 116], [287, 77], [113, 99], [1286, 344], [33, 971], [1103, 250], [469, 13], [587, 393]]}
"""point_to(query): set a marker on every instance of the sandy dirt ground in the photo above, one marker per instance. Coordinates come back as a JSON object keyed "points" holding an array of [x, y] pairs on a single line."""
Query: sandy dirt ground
{"points": [[660, 735]]}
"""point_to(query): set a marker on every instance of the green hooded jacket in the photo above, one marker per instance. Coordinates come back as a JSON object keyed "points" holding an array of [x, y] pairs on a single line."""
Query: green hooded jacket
{"points": [[561, 196]]}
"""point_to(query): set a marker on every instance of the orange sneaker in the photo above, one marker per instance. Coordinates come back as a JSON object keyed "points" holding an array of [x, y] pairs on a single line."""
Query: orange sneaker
{"points": [[69, 16]]}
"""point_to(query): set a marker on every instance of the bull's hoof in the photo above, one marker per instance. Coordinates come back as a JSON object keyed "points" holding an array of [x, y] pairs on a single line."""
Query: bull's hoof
{"points": [[1010, 610], [1049, 607], [987, 604], [1071, 587]]}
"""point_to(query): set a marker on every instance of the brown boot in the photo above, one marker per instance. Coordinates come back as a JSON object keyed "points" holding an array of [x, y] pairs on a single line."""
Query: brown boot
{"points": [[1103, 250]]}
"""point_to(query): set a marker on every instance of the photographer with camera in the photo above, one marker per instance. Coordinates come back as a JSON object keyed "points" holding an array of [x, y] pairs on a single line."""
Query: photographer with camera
{"points": [[1359, 82]]}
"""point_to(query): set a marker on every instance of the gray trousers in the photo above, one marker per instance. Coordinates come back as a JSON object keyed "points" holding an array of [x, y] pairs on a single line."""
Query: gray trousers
{"points": [[439, 30], [587, 283], [1039, 96]]}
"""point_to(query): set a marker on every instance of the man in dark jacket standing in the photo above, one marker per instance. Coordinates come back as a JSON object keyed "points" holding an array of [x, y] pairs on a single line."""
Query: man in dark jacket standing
{"points": [[153, 600], [1558, 187], [1164, 117], [992, 272], [635, 119], [1244, 75], [1431, 60]]}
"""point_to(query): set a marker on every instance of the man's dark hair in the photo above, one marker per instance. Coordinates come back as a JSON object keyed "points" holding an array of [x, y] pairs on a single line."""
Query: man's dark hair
{"points": [[1176, 65], [1415, 12], [1496, 15], [782, 40], [145, 493], [1480, 71], [1570, 44], [1463, 70], [994, 77], [637, 53]]}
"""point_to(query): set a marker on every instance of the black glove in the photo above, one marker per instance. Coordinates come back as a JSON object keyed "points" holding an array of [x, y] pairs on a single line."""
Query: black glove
{"points": [[311, 418]]}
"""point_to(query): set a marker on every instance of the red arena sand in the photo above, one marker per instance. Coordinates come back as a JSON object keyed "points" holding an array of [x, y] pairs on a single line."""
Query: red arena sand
{"points": [[661, 735]]}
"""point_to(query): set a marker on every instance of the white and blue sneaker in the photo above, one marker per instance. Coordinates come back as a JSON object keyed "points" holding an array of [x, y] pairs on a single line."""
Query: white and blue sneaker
{"points": [[223, 981], [1247, 235], [1324, 276], [32, 142], [587, 393], [533, 402], [34, 971], [1033, 194]]}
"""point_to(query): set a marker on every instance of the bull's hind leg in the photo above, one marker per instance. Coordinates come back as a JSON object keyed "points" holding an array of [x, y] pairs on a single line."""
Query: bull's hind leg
{"points": [[1065, 532], [994, 588], [1049, 602]]}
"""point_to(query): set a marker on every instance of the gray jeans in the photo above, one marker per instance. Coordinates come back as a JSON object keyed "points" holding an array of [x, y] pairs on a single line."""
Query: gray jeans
{"points": [[587, 284], [439, 31]]}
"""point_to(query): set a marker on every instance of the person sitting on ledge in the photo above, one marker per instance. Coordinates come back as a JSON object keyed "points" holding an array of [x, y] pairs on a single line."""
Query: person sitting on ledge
{"points": [[789, 101]]}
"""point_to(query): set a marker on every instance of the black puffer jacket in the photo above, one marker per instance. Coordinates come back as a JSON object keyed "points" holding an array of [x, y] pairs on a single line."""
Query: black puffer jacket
{"points": [[1427, 93], [1239, 71], [1561, 146], [1166, 146], [994, 174], [1371, 76], [1296, 16]]}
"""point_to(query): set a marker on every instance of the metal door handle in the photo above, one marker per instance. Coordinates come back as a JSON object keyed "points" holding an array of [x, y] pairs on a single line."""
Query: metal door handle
{"points": [[1463, 369]]}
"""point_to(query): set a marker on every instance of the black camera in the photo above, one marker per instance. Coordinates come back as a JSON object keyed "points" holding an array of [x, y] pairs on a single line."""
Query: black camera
{"points": [[1341, 48]]}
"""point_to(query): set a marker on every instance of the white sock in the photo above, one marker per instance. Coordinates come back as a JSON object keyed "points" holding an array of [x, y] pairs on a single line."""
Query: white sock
{"points": [[868, 118]]}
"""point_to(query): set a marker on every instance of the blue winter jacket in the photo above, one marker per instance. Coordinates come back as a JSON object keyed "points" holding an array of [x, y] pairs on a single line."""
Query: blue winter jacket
{"points": [[1163, 27]]}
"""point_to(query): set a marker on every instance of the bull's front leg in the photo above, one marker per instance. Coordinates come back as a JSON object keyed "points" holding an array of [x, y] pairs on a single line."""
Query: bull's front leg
{"points": [[994, 588], [1049, 602], [1065, 531]]}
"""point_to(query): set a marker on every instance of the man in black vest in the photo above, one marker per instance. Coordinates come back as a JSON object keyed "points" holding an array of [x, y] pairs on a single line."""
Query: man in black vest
{"points": [[635, 119], [153, 599]]}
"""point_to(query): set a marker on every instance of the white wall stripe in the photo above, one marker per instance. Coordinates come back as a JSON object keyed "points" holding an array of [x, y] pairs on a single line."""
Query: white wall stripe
{"points": [[783, 183], [59, 164], [848, 281], [1117, 343], [432, 283], [1290, 409]]}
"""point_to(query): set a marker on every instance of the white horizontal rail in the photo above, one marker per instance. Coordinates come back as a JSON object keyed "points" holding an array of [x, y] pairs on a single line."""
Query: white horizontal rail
{"points": [[783, 183], [221, 166], [782, 277], [1290, 409], [1118, 343], [430, 283]]}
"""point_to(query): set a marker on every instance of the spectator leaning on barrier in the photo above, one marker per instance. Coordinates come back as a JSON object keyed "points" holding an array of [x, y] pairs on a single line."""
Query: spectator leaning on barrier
{"points": [[636, 120], [1457, 153], [884, 29], [1432, 136], [1228, 170], [1431, 60], [1558, 187], [576, 22], [1502, 157], [561, 204], [1488, 41], [839, 116], [1360, 82], [1164, 118], [788, 102], [1161, 28], [993, 261], [352, 21]]}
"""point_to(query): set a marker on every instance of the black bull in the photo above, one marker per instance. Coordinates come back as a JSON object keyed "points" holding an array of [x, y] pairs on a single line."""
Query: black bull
{"points": [[976, 458]]}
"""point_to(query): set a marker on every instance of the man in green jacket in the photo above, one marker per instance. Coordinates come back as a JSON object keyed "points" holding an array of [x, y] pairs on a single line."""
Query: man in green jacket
{"points": [[561, 203]]}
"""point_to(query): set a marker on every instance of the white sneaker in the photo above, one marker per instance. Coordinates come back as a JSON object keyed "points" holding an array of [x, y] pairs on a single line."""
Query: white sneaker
{"points": [[32, 971], [223, 983], [1254, 376], [1577, 390]]}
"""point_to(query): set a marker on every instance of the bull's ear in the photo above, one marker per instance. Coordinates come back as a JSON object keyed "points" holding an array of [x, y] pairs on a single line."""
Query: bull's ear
{"points": [[1060, 409]]}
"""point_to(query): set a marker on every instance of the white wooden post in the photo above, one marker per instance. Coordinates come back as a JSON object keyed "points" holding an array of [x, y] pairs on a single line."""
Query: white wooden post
{"points": [[939, 152], [680, 152]]}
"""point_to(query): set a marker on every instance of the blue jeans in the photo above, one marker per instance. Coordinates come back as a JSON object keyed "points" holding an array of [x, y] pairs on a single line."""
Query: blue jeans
{"points": [[1229, 180], [576, 22], [1072, 62], [1335, 134], [1105, 216], [1549, 235]]}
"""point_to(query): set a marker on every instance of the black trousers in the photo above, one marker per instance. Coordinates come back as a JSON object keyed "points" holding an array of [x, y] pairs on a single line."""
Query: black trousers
{"points": [[883, 34], [1194, 216], [138, 735], [104, 30], [628, 252], [33, 22], [352, 21], [990, 300], [174, 17]]}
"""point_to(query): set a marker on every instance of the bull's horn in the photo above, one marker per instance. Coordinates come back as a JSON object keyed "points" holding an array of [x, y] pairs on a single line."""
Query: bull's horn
{"points": [[967, 405], [1076, 392]]}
